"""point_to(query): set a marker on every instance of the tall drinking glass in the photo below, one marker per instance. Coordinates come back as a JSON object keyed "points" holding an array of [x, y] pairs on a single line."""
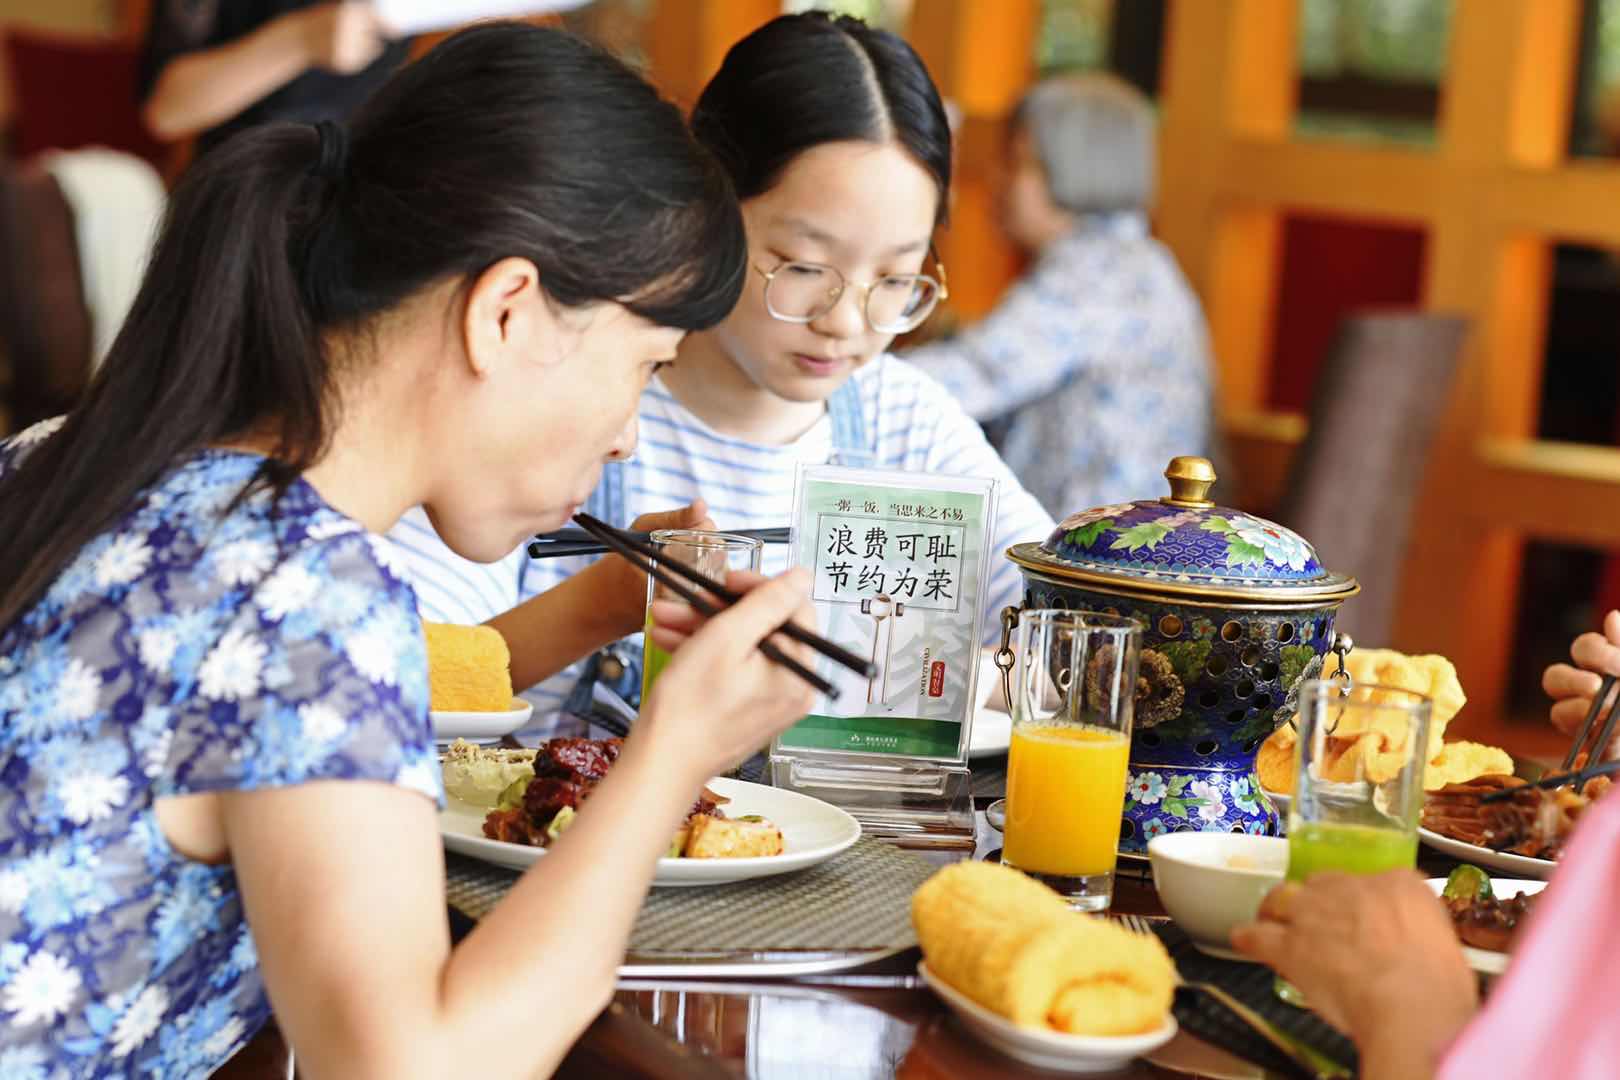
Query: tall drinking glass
{"points": [[712, 554], [1359, 782], [1073, 688]]}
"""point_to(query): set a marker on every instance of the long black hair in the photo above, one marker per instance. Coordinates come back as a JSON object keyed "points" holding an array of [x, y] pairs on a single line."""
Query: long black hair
{"points": [[803, 80], [505, 140]]}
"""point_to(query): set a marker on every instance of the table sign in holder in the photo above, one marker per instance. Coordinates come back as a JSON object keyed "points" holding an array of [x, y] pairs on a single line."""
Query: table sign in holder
{"points": [[900, 562]]}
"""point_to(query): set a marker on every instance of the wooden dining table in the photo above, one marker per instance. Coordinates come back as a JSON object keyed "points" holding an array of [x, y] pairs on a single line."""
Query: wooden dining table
{"points": [[871, 1022], [876, 1021]]}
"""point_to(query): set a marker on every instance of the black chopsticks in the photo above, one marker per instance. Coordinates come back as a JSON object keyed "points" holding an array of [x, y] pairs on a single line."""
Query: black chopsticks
{"points": [[1594, 752], [1604, 690], [1579, 777], [566, 542], [640, 553]]}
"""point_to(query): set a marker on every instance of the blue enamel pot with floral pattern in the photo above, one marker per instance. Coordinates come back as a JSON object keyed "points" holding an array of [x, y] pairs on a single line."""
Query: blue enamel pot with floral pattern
{"points": [[1236, 610]]}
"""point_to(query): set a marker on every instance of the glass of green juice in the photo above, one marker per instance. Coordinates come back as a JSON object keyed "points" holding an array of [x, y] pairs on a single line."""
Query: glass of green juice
{"points": [[712, 554], [1358, 786]]}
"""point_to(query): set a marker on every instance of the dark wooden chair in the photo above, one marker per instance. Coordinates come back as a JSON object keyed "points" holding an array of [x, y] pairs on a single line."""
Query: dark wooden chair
{"points": [[1352, 487], [45, 329]]}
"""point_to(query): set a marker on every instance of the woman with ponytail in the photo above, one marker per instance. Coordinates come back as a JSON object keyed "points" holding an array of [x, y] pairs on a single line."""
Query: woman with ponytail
{"points": [[220, 780]]}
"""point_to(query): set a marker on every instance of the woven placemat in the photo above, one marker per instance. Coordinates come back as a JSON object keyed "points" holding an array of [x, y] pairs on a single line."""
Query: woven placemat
{"points": [[1253, 985], [857, 901]]}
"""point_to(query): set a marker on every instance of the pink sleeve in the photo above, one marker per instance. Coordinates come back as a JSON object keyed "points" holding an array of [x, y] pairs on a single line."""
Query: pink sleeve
{"points": [[1552, 1014]]}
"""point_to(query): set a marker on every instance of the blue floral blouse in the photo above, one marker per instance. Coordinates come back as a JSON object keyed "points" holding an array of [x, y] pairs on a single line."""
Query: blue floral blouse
{"points": [[192, 647]]}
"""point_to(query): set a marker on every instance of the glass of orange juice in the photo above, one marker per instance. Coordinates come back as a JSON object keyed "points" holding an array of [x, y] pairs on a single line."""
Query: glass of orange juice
{"points": [[1073, 686]]}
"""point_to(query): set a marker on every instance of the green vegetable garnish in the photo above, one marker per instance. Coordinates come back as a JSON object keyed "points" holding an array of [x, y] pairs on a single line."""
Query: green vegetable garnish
{"points": [[1468, 883], [564, 818], [751, 817], [512, 795]]}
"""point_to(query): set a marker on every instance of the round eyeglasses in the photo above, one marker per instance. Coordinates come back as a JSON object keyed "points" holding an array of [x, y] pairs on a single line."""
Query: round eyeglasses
{"points": [[801, 292]]}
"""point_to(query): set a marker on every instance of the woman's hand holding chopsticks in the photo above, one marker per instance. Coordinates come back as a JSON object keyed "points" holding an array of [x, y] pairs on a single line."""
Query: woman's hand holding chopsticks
{"points": [[732, 715]]}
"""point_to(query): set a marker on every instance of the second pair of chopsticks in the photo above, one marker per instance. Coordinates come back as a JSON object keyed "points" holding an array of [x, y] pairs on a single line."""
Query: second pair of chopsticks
{"points": [[1567, 773], [566, 542], [641, 554]]}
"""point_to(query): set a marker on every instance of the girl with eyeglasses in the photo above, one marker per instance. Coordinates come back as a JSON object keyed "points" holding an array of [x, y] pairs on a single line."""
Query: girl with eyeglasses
{"points": [[837, 143]]}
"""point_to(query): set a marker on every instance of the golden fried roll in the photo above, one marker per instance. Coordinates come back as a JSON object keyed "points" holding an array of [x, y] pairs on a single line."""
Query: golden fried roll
{"points": [[469, 668], [1012, 945]]}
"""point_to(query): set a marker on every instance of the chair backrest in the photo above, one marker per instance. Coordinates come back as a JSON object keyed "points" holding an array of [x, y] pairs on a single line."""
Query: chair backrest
{"points": [[1351, 490], [76, 90], [45, 329]]}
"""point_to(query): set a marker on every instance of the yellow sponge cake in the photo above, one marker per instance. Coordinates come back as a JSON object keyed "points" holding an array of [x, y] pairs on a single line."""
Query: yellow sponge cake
{"points": [[469, 668]]}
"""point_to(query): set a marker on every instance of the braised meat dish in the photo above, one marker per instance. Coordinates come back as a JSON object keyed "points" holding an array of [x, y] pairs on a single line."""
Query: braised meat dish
{"points": [[1535, 823], [1490, 922], [567, 770]]}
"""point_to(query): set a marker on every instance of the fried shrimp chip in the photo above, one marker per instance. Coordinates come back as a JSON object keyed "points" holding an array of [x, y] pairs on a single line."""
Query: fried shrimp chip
{"points": [[1372, 745]]}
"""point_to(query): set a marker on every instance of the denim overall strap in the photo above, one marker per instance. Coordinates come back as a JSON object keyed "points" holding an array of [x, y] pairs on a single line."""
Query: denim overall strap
{"points": [[848, 417], [618, 667]]}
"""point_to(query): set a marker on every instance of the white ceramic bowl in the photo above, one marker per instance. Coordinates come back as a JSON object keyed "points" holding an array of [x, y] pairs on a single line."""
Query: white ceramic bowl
{"points": [[1210, 882]]}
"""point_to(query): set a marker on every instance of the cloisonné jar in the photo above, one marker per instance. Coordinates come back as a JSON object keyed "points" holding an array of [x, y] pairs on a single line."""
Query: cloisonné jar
{"points": [[1236, 612]]}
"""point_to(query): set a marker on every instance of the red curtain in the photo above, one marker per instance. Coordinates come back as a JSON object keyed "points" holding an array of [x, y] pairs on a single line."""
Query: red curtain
{"points": [[1332, 267]]}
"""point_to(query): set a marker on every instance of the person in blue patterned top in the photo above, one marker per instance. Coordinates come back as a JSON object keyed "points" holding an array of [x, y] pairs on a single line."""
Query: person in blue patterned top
{"points": [[1096, 363], [220, 777]]}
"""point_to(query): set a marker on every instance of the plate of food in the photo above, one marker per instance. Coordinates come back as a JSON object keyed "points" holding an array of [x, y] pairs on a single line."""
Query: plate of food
{"points": [[1045, 985], [506, 806], [1487, 912], [991, 735], [992, 724], [1358, 753], [1520, 838], [470, 684], [1522, 835]]}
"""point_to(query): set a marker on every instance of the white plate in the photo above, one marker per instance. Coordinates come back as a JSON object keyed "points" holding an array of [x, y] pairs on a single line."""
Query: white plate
{"points": [[812, 832], [476, 726], [1517, 865], [1483, 960], [1048, 1049], [992, 727], [991, 735]]}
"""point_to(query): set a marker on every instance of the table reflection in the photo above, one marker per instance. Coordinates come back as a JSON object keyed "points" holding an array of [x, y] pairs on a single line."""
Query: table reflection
{"points": [[785, 1030]]}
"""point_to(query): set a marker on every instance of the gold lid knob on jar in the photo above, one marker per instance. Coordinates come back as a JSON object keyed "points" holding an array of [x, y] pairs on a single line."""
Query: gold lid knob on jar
{"points": [[1190, 480]]}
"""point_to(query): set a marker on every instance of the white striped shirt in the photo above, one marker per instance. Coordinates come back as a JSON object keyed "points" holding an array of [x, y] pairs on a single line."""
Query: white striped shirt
{"points": [[913, 424]]}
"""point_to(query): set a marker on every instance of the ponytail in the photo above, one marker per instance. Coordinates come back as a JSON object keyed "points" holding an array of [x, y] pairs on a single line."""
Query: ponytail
{"points": [[218, 340]]}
